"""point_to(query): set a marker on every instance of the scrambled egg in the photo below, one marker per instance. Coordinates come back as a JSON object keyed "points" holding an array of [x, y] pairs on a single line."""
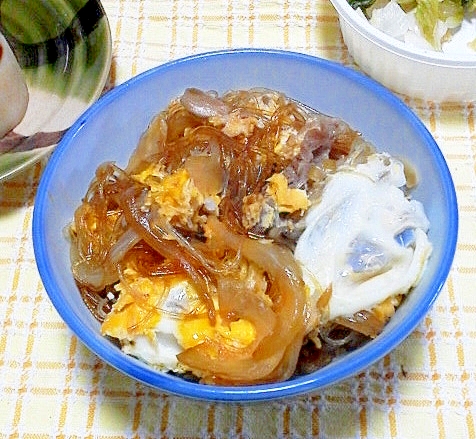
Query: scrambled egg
{"points": [[279, 198], [178, 199], [288, 200], [156, 318]]}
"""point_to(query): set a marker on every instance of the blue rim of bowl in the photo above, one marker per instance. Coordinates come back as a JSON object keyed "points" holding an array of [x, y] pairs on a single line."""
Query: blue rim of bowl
{"points": [[367, 355]]}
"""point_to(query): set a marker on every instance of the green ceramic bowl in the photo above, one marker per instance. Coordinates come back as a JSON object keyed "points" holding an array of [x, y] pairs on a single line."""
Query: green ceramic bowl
{"points": [[64, 50]]}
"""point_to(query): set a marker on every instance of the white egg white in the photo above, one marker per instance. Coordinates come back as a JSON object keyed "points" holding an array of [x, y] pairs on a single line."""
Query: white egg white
{"points": [[365, 240], [162, 349]]}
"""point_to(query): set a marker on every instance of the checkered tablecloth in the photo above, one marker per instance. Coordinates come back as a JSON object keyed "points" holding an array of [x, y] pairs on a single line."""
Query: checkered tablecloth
{"points": [[52, 386]]}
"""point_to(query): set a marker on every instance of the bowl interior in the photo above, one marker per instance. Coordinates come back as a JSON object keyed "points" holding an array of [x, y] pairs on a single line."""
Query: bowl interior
{"points": [[110, 130]]}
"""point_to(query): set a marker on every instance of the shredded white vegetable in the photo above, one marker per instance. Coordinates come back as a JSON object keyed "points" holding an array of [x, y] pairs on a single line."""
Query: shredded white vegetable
{"points": [[391, 19]]}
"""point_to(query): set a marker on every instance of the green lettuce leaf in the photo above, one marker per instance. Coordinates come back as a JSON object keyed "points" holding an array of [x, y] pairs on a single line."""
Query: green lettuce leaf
{"points": [[426, 14], [452, 12]]}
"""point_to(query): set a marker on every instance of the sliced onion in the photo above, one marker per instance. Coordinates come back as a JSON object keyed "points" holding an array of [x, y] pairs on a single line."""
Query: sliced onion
{"points": [[95, 233], [364, 322], [238, 302], [127, 240], [275, 356], [140, 222], [150, 147], [148, 262], [203, 104], [206, 172]]}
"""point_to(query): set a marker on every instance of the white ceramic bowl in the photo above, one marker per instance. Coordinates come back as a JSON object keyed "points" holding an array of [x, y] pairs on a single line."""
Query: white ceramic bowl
{"points": [[110, 130], [423, 74]]}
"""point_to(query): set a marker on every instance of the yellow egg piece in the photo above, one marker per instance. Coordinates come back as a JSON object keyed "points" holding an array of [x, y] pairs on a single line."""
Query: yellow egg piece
{"points": [[194, 331], [177, 198], [288, 199], [136, 310]]}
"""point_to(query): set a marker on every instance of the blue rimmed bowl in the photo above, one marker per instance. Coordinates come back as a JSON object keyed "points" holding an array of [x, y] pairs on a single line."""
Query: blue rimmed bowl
{"points": [[110, 129]]}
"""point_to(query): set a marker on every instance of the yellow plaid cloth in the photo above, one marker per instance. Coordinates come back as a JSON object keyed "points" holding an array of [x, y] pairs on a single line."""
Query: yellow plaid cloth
{"points": [[52, 386]]}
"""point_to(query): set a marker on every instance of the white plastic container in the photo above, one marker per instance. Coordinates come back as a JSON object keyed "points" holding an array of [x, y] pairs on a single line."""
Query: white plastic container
{"points": [[423, 74]]}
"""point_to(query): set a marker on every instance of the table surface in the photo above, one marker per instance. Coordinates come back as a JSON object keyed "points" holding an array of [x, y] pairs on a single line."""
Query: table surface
{"points": [[52, 386]]}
